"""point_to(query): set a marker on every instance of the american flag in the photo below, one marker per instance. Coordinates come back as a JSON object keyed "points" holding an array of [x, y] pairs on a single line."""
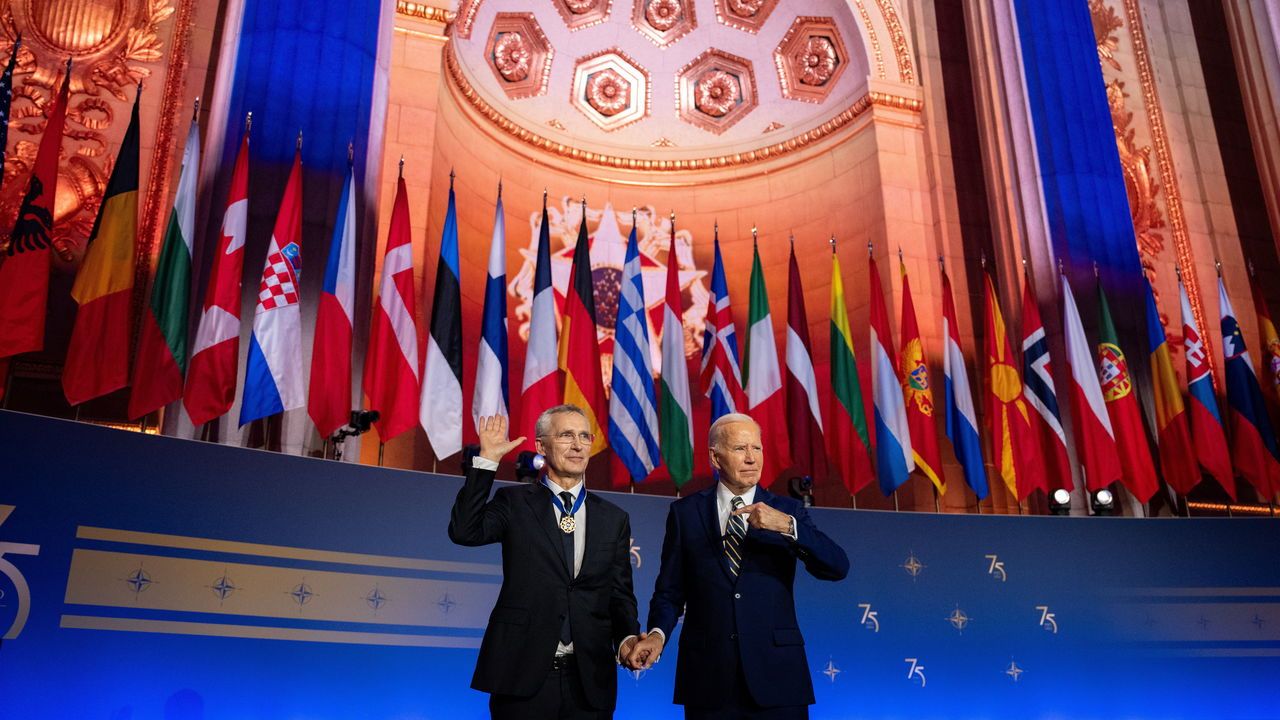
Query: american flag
{"points": [[6, 100]]}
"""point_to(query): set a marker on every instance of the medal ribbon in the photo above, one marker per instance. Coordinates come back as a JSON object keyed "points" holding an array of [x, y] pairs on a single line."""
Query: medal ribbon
{"points": [[577, 504]]}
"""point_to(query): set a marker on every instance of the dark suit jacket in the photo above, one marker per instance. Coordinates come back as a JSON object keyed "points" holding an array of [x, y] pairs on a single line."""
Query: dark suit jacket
{"points": [[537, 588], [752, 617]]}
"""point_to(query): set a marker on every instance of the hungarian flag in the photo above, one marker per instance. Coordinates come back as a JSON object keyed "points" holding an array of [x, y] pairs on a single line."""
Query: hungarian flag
{"points": [[1095, 440], [720, 375], [211, 377], [763, 378], [490, 396], [1206, 420], [804, 415], [540, 388], [918, 393], [1253, 444], [161, 362], [273, 365], [849, 445], [962, 421], [675, 410], [1042, 397], [25, 266], [894, 458], [579, 350], [1014, 449], [329, 398], [1139, 475], [440, 406], [1270, 379], [98, 355], [1173, 436], [633, 409], [391, 360]]}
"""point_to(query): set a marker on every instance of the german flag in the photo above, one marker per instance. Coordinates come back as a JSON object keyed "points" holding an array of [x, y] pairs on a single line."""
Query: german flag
{"points": [[579, 350], [98, 356]]}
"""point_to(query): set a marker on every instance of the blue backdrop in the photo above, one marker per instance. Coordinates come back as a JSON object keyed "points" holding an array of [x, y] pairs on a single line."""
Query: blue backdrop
{"points": [[180, 580]]}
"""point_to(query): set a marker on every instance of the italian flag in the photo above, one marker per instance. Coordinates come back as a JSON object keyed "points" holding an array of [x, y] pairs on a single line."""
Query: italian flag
{"points": [[675, 431], [763, 378]]}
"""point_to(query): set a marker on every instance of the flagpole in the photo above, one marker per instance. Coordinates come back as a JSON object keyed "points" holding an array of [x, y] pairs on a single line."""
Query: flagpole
{"points": [[895, 499], [381, 445]]}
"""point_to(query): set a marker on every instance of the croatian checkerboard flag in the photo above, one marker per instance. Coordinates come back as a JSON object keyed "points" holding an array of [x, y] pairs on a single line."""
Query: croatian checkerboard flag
{"points": [[273, 372]]}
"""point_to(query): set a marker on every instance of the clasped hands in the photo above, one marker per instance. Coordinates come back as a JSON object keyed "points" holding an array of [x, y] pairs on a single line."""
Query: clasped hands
{"points": [[642, 651]]}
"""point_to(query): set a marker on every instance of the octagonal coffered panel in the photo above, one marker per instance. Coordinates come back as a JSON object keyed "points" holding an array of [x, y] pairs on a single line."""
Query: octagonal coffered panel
{"points": [[716, 90], [664, 21], [578, 14], [810, 59], [611, 89], [748, 15], [519, 55]]}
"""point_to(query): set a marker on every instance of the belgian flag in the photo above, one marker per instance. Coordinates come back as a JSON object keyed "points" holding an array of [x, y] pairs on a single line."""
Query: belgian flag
{"points": [[579, 349], [98, 357]]}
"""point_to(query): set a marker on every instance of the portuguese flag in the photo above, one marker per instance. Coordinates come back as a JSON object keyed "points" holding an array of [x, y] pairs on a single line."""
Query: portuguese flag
{"points": [[1137, 472]]}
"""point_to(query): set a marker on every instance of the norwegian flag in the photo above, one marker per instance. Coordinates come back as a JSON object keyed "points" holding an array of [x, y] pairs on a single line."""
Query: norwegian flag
{"points": [[720, 376]]}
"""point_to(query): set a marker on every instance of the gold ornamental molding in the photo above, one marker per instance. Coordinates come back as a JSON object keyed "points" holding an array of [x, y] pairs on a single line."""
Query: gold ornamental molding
{"points": [[901, 50], [430, 13], [777, 150]]}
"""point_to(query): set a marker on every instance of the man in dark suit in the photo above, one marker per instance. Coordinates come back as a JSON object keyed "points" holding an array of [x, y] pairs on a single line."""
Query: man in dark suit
{"points": [[729, 566], [566, 611]]}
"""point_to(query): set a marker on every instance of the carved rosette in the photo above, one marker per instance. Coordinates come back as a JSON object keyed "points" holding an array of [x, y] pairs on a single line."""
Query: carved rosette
{"points": [[611, 89], [664, 21], [746, 15], [578, 14], [716, 90], [519, 55], [810, 59]]}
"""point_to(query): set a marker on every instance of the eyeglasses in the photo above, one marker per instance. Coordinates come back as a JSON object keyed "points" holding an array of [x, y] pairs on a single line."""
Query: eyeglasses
{"points": [[568, 437]]}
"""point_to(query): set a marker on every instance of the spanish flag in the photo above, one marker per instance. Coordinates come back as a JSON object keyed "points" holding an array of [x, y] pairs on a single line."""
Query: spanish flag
{"points": [[98, 357], [1173, 434], [579, 349]]}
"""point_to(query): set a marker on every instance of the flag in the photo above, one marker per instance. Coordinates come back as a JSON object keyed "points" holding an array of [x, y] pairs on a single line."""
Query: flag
{"points": [[1253, 444], [211, 376], [1041, 396], [24, 272], [540, 387], [6, 104], [391, 360], [962, 420], [675, 411], [1014, 450], [273, 367], [491, 395], [329, 398], [1173, 436], [579, 356], [720, 377], [440, 407], [1095, 440], [804, 415], [161, 362], [850, 446], [918, 393], [894, 458], [1270, 380], [633, 410], [1137, 471], [1207, 431], [98, 355], [763, 378]]}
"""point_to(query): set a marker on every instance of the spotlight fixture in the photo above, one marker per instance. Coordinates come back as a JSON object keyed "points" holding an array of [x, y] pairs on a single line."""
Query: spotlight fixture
{"points": [[800, 488], [529, 466], [1103, 502], [469, 452], [1060, 502]]}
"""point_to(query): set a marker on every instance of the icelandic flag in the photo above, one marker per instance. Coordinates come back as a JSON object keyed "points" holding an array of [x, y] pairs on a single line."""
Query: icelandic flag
{"points": [[329, 399], [894, 459], [1253, 444], [962, 420], [273, 370], [440, 405], [1210, 438], [633, 413], [720, 375], [491, 395]]}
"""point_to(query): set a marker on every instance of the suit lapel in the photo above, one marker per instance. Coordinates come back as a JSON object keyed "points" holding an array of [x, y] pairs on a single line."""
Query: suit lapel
{"points": [[715, 539], [595, 531], [539, 499]]}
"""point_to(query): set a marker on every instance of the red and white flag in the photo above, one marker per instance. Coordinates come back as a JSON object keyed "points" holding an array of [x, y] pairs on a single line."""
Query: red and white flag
{"points": [[804, 414], [391, 361], [211, 377], [1095, 440]]}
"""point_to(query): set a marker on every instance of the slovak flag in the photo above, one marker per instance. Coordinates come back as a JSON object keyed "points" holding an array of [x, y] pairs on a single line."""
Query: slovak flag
{"points": [[1253, 443], [273, 370], [329, 401], [1210, 439]]}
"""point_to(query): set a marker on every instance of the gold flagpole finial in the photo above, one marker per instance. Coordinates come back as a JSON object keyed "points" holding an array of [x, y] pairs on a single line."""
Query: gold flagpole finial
{"points": [[832, 241], [401, 166]]}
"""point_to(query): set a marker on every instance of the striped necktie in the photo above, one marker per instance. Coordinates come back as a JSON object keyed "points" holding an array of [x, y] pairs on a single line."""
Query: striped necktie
{"points": [[735, 533]]}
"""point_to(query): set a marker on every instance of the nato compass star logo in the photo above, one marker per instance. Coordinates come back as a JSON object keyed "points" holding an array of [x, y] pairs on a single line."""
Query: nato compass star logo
{"points": [[138, 581], [1259, 621], [301, 594], [959, 620], [1013, 670], [223, 587], [446, 603], [831, 671], [376, 599], [912, 565]]}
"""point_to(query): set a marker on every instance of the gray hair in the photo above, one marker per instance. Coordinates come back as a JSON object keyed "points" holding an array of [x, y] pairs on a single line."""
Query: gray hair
{"points": [[716, 433], [542, 427]]}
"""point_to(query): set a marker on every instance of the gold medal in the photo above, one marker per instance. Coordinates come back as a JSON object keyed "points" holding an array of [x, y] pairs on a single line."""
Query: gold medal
{"points": [[568, 524]]}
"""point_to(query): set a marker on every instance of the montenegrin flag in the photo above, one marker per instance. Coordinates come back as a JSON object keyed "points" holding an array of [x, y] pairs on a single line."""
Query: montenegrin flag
{"points": [[1173, 436], [540, 388], [962, 420], [579, 348], [1207, 431], [894, 459], [763, 378], [98, 356], [850, 446], [918, 393], [1095, 440]]}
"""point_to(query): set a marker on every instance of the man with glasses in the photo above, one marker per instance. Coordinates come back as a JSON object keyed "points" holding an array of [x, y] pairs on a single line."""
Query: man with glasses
{"points": [[566, 611], [729, 566]]}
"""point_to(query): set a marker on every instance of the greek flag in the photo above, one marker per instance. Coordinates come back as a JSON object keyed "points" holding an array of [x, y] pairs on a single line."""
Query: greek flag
{"points": [[633, 415]]}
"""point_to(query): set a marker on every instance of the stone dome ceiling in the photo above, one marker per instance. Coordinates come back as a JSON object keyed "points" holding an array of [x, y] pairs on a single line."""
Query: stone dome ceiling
{"points": [[661, 79]]}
